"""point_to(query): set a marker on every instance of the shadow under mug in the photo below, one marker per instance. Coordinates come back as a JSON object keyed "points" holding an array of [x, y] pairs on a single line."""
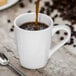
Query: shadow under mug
{"points": [[34, 47]]}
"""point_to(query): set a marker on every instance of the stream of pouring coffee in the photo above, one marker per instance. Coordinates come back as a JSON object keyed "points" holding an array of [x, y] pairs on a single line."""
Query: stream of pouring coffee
{"points": [[37, 10]]}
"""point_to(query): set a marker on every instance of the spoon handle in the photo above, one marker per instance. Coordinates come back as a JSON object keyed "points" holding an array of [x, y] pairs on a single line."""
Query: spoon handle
{"points": [[14, 69]]}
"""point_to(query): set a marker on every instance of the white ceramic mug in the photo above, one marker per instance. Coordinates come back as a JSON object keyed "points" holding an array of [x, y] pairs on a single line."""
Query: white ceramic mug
{"points": [[34, 46]]}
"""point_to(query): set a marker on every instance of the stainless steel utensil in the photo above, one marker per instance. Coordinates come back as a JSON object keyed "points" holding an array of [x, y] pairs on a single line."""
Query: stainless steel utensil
{"points": [[5, 62]]}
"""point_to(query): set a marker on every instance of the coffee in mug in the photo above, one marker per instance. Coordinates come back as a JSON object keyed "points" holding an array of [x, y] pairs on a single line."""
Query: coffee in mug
{"points": [[31, 26]]}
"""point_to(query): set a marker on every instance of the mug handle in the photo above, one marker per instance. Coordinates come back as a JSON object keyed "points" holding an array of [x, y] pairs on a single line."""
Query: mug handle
{"points": [[60, 44]]}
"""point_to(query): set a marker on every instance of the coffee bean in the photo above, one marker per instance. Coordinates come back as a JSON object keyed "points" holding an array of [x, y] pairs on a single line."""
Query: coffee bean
{"points": [[74, 46], [21, 5], [48, 12], [42, 10], [67, 8], [11, 29], [65, 33], [58, 32], [12, 26], [61, 38], [8, 20], [55, 16], [75, 34], [55, 24], [20, 0], [30, 1], [71, 41], [61, 15], [66, 44], [47, 3], [72, 28], [29, 11], [67, 24]]}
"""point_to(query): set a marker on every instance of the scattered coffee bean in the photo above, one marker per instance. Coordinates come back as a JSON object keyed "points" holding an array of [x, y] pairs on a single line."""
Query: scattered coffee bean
{"points": [[66, 44], [61, 15], [12, 26], [21, 5], [71, 41], [58, 32], [8, 20], [48, 12], [67, 24], [61, 38], [42, 10], [72, 28], [35, 2], [75, 34], [65, 33], [52, 8], [20, 0], [30, 1], [55, 24], [47, 3], [67, 9], [29, 11], [11, 29], [74, 45], [55, 16]]}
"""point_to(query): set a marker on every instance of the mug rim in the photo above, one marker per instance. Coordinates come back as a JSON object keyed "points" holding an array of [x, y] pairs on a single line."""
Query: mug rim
{"points": [[33, 30]]}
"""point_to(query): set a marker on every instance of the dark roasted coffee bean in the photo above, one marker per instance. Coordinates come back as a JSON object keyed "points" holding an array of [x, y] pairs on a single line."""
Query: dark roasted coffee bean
{"points": [[67, 8], [42, 10], [22, 5], [12, 26], [58, 32], [75, 34], [74, 46], [20, 0], [71, 41], [48, 12], [72, 28], [65, 33], [67, 24], [55, 24], [73, 22], [29, 11], [11, 29], [72, 33], [55, 16], [61, 38], [47, 3], [61, 15], [30, 1], [8, 20], [66, 44]]}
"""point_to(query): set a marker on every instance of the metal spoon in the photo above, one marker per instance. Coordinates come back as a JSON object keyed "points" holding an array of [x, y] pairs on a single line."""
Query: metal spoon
{"points": [[5, 62]]}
